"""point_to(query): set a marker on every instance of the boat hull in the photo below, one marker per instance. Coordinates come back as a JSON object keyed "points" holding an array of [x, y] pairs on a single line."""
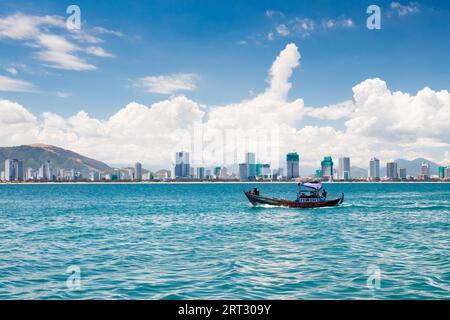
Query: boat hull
{"points": [[307, 203]]}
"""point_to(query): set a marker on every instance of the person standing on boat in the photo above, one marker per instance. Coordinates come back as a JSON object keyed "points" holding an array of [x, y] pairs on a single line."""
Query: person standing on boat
{"points": [[324, 193]]}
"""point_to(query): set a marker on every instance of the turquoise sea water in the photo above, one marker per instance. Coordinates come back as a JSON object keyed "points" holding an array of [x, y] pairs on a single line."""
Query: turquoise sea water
{"points": [[206, 241]]}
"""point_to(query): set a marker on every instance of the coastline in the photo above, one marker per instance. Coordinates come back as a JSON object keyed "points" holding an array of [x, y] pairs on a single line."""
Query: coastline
{"points": [[213, 182]]}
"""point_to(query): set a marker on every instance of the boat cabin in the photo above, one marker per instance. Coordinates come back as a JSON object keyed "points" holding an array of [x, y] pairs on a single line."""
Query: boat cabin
{"points": [[311, 192]]}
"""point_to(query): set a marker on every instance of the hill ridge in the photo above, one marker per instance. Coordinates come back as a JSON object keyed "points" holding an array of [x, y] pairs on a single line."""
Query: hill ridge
{"points": [[34, 155]]}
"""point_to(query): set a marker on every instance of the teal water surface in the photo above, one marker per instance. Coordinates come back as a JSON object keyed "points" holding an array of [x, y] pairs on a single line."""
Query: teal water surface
{"points": [[205, 241]]}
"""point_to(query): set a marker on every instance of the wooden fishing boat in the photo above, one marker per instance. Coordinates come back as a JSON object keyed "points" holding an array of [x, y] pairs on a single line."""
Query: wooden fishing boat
{"points": [[302, 201]]}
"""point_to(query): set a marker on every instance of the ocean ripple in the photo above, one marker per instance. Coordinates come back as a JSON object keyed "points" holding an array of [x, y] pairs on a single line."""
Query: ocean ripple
{"points": [[205, 241]]}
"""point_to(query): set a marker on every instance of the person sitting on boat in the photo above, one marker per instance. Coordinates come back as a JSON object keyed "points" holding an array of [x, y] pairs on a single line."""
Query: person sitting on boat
{"points": [[300, 195], [324, 193]]}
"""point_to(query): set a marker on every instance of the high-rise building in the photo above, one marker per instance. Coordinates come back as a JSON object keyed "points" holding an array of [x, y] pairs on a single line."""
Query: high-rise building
{"points": [[14, 170], [10, 170], [374, 169], [148, 176], [318, 173], [138, 171], [182, 165], [250, 160], [274, 174], [293, 165], [447, 173], [20, 171], [265, 171], [49, 172], [116, 175], [94, 176], [60, 174], [243, 172], [402, 173], [224, 173], [71, 174], [327, 168], [391, 170], [344, 168], [200, 173], [217, 172], [46, 171], [258, 169], [247, 170], [425, 171], [441, 172], [30, 174]]}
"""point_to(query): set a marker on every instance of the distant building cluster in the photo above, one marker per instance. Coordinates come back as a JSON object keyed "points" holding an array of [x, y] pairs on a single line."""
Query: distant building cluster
{"points": [[182, 170], [250, 170], [395, 173], [15, 171]]}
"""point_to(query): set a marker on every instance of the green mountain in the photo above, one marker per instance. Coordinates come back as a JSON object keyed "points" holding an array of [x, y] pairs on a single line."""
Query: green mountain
{"points": [[413, 166], [35, 155], [357, 173]]}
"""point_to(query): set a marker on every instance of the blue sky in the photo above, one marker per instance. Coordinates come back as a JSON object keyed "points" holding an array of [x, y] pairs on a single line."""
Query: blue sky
{"points": [[205, 38]]}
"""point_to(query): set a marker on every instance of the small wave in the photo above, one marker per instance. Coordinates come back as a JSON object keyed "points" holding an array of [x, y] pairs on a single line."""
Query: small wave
{"points": [[269, 206]]}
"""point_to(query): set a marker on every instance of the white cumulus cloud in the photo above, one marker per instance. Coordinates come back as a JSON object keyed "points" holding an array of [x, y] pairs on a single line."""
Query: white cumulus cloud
{"points": [[167, 84]]}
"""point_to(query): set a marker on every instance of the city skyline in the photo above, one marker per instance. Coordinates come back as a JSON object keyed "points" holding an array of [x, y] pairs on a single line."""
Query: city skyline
{"points": [[250, 170], [293, 97]]}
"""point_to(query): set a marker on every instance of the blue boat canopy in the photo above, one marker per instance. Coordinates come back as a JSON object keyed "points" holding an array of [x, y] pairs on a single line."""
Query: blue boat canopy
{"points": [[316, 185]]}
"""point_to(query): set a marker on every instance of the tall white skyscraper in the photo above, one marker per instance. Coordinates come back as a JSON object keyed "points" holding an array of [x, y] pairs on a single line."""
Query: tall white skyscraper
{"points": [[344, 168], [14, 170], [45, 171], [49, 171], [9, 170], [138, 171], [374, 169]]}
